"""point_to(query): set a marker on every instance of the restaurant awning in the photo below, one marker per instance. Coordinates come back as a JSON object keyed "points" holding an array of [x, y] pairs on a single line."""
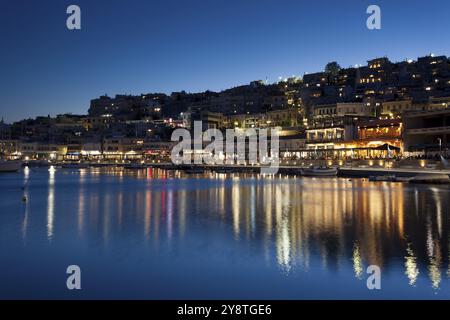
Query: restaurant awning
{"points": [[386, 147], [379, 148]]}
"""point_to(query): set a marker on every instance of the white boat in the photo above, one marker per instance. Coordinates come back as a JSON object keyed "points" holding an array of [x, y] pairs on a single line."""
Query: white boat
{"points": [[431, 179], [320, 172], [385, 178], [403, 179], [10, 166]]}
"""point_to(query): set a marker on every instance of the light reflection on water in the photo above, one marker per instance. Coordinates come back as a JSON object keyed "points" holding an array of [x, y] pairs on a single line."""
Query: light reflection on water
{"points": [[283, 226], [50, 202]]}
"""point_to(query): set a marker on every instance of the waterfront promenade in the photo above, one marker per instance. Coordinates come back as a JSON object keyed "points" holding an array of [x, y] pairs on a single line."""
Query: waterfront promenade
{"points": [[400, 172], [363, 169], [345, 171]]}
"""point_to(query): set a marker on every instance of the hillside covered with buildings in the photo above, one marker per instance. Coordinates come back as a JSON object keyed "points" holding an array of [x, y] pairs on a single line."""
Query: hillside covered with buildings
{"points": [[379, 110]]}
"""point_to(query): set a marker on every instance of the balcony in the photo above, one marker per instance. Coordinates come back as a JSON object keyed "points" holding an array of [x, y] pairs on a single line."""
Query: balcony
{"points": [[433, 130], [325, 140]]}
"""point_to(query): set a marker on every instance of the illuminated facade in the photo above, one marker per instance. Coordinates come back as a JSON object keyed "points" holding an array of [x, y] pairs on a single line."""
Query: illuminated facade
{"points": [[323, 137], [283, 118], [358, 109], [355, 138], [427, 131], [39, 150]]}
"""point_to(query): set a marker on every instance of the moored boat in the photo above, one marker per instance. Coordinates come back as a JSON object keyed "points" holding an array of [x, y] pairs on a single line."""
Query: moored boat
{"points": [[386, 178], [10, 165], [431, 179], [320, 172]]}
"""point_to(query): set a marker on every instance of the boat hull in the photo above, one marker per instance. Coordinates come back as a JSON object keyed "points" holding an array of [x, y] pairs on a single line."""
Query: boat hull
{"points": [[329, 172], [431, 179], [386, 178], [10, 166]]}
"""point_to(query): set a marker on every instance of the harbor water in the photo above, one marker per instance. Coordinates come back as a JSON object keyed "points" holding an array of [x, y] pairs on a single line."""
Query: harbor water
{"points": [[157, 234]]}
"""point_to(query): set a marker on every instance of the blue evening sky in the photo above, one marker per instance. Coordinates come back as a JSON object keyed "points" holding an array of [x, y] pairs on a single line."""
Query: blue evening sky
{"points": [[137, 46]]}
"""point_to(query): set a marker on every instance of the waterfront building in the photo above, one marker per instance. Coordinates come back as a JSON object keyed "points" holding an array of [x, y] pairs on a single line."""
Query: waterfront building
{"points": [[42, 150], [322, 138], [355, 138], [293, 147], [121, 149], [74, 150], [427, 132], [90, 150], [379, 138], [158, 150], [125, 148]]}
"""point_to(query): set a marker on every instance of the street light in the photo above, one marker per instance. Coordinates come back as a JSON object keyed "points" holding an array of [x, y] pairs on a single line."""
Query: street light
{"points": [[440, 145]]}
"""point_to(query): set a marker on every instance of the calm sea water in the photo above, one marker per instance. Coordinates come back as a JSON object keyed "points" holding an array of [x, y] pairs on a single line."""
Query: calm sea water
{"points": [[164, 235]]}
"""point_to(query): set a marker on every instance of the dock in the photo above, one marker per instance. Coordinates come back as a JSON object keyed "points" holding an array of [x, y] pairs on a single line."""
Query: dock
{"points": [[399, 172], [344, 171]]}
